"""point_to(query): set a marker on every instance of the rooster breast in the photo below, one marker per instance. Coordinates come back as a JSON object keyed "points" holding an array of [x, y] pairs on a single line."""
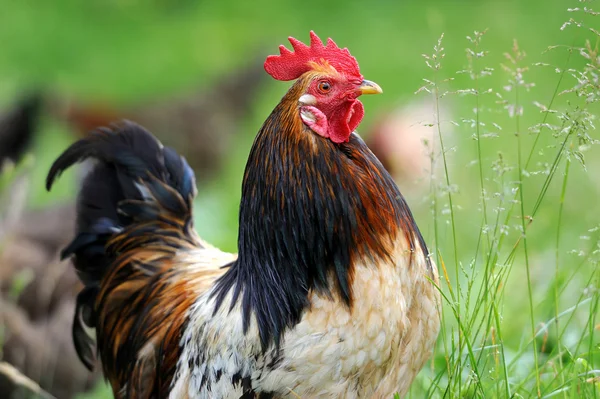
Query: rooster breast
{"points": [[371, 350]]}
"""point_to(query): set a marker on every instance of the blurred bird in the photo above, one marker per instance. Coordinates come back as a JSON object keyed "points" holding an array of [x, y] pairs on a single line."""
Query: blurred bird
{"points": [[405, 140], [37, 301], [330, 294], [17, 127], [29, 252], [37, 291], [202, 124], [43, 351]]}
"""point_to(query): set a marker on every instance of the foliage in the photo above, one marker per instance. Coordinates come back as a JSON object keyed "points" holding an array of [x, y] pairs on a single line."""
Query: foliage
{"points": [[519, 320]]}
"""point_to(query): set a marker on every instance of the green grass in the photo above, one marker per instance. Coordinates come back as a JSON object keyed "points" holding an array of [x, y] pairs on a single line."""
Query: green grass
{"points": [[512, 215], [506, 334]]}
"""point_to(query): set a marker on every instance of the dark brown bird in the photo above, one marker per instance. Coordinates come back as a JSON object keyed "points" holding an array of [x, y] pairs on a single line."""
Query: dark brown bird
{"points": [[37, 291], [17, 128], [36, 318]]}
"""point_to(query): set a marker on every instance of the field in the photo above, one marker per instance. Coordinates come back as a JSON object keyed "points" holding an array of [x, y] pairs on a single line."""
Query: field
{"points": [[511, 214]]}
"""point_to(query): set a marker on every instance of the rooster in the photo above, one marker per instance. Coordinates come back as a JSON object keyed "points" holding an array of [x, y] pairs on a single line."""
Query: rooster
{"points": [[331, 295]]}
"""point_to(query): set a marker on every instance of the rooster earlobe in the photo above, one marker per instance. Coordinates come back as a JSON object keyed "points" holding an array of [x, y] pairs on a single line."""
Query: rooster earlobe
{"points": [[315, 120]]}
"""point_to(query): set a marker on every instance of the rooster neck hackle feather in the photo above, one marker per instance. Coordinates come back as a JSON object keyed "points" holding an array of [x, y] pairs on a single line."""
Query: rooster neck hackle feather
{"points": [[310, 210]]}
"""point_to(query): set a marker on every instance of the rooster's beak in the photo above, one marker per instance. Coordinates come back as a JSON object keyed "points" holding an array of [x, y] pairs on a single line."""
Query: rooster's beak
{"points": [[368, 87]]}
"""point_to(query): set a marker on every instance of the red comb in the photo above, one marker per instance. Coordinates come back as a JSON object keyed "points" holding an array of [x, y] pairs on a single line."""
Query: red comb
{"points": [[291, 65]]}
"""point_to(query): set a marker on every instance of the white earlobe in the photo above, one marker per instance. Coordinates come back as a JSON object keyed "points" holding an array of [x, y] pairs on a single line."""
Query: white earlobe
{"points": [[308, 99]]}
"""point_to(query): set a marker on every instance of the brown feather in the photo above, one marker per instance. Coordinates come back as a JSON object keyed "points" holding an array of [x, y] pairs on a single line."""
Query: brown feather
{"points": [[165, 296]]}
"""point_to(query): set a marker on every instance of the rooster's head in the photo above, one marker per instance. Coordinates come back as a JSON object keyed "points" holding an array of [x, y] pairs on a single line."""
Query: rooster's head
{"points": [[330, 82]]}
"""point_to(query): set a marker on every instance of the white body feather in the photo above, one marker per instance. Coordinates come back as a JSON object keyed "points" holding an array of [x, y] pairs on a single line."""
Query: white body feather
{"points": [[373, 350]]}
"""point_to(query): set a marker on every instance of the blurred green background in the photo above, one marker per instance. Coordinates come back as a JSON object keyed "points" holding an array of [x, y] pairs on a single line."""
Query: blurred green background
{"points": [[128, 53]]}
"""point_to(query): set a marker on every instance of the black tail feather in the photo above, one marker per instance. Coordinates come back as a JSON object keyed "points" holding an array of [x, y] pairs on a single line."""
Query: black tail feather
{"points": [[135, 180], [83, 321]]}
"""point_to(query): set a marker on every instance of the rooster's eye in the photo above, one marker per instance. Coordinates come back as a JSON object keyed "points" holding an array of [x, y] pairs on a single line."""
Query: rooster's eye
{"points": [[324, 87]]}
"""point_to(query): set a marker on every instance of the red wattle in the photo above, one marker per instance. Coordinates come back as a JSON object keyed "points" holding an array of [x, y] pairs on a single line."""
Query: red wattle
{"points": [[342, 126], [357, 116]]}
